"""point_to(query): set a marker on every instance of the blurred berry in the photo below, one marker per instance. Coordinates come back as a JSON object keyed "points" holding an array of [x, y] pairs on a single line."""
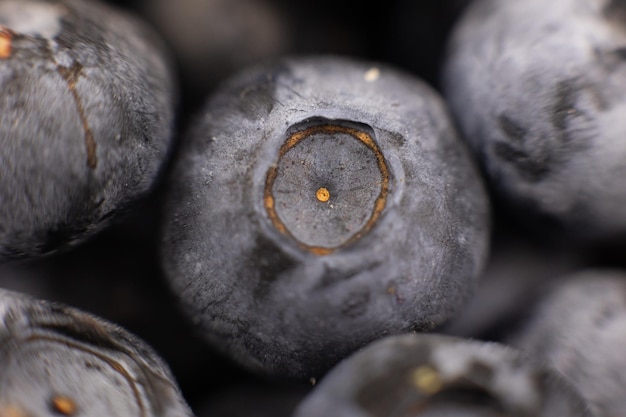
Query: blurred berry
{"points": [[433, 375], [86, 113], [538, 90], [580, 329], [59, 361]]}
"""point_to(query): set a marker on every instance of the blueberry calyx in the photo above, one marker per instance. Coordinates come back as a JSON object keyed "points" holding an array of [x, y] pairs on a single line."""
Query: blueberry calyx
{"points": [[336, 163]]}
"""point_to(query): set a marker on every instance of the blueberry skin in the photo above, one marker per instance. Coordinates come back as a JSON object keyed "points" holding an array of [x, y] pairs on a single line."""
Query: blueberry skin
{"points": [[443, 376], [57, 360], [538, 91], [86, 114], [580, 328], [275, 297]]}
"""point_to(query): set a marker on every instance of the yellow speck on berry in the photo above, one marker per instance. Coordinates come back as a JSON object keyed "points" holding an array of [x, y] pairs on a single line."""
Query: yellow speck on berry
{"points": [[322, 194], [63, 405]]}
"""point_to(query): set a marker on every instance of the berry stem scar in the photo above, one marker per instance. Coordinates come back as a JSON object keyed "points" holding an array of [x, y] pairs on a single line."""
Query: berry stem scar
{"points": [[323, 194]]}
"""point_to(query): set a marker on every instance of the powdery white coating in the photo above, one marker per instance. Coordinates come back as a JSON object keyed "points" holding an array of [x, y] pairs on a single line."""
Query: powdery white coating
{"points": [[85, 121], [48, 350], [580, 329], [260, 296], [453, 361], [537, 88], [31, 17], [375, 382]]}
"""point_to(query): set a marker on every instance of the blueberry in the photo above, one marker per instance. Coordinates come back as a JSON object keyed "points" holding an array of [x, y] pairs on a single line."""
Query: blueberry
{"points": [[318, 204], [86, 111], [59, 361], [538, 89], [434, 375], [580, 328]]}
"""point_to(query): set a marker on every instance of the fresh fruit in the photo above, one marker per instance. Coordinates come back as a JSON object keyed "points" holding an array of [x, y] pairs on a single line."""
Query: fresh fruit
{"points": [[318, 204], [579, 328], [538, 90], [86, 113], [58, 361], [434, 375]]}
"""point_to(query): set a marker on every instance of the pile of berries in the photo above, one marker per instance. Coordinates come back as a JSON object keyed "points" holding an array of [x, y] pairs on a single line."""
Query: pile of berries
{"points": [[246, 207]]}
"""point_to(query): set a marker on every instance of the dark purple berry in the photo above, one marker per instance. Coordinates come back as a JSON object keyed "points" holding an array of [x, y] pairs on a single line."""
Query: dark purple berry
{"points": [[58, 361], [86, 112], [538, 90], [441, 376], [580, 329], [318, 204]]}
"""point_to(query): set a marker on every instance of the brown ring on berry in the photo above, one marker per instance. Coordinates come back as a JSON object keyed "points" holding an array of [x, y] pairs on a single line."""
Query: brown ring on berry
{"points": [[114, 364], [293, 140]]}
